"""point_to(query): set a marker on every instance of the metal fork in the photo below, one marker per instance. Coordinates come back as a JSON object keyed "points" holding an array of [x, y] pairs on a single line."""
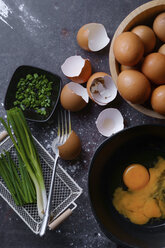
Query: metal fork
{"points": [[64, 130]]}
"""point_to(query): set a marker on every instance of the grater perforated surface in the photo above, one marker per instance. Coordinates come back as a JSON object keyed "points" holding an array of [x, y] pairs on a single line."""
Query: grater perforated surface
{"points": [[66, 190]]}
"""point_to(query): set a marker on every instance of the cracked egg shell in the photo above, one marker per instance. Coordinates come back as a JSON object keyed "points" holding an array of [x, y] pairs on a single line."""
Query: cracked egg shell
{"points": [[101, 88], [74, 97], [109, 121], [77, 69], [92, 37], [71, 149]]}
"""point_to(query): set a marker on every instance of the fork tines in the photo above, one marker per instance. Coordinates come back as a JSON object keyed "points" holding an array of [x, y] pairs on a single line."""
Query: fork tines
{"points": [[64, 124]]}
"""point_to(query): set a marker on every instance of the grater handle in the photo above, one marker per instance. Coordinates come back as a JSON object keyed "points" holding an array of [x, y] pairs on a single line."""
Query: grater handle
{"points": [[3, 135], [60, 219]]}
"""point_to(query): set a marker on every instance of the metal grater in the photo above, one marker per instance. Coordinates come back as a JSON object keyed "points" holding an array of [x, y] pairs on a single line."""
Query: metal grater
{"points": [[66, 190]]}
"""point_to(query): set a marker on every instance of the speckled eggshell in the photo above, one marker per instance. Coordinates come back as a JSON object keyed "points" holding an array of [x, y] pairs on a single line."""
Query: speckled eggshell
{"points": [[71, 148]]}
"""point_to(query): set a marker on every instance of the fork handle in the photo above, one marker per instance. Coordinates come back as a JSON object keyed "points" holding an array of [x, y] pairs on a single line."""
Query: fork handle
{"points": [[47, 210]]}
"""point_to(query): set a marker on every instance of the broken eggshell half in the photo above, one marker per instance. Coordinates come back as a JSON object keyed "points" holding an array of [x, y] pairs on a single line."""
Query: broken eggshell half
{"points": [[71, 148], [74, 97], [92, 37], [109, 121], [77, 69], [101, 88]]}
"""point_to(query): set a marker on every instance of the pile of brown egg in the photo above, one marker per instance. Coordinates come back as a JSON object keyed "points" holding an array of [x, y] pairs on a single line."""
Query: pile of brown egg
{"points": [[141, 53]]}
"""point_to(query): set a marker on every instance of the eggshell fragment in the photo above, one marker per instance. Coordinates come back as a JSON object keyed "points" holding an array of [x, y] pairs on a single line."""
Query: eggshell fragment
{"points": [[77, 69], [92, 37], [74, 97], [109, 121], [101, 88], [71, 148]]}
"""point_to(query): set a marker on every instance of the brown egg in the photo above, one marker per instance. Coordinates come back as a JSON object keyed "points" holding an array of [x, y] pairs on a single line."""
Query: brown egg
{"points": [[128, 49], [71, 148], [74, 97], [159, 26], [147, 36], [162, 49], [82, 38], [135, 67], [154, 67], [158, 99], [133, 86]]}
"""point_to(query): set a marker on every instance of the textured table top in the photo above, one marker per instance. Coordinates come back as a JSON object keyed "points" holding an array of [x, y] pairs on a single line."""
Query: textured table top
{"points": [[43, 34]]}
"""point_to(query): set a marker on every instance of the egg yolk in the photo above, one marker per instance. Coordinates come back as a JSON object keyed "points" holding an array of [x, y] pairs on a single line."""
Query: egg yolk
{"points": [[136, 176]]}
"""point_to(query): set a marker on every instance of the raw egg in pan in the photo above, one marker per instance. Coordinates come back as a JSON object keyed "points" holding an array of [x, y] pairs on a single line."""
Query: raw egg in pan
{"points": [[136, 176]]}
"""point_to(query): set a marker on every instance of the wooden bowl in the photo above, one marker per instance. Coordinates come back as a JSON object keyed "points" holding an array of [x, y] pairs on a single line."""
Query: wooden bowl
{"points": [[144, 14]]}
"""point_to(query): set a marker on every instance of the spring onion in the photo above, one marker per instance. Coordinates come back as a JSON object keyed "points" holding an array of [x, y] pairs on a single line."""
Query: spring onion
{"points": [[33, 92], [17, 179], [24, 145]]}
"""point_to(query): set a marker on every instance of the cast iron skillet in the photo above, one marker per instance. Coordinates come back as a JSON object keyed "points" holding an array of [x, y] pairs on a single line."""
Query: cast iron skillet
{"points": [[139, 144]]}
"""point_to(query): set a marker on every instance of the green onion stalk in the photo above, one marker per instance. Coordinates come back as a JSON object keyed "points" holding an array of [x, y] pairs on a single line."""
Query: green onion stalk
{"points": [[25, 146], [17, 179]]}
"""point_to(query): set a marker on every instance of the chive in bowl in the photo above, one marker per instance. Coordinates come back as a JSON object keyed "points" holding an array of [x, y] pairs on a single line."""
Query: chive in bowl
{"points": [[30, 113]]}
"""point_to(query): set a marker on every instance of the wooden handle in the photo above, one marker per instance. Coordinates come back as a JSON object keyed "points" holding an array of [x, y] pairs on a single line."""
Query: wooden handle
{"points": [[3, 135], [60, 219]]}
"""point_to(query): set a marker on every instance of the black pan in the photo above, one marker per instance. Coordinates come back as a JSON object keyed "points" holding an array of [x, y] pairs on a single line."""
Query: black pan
{"points": [[140, 144]]}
